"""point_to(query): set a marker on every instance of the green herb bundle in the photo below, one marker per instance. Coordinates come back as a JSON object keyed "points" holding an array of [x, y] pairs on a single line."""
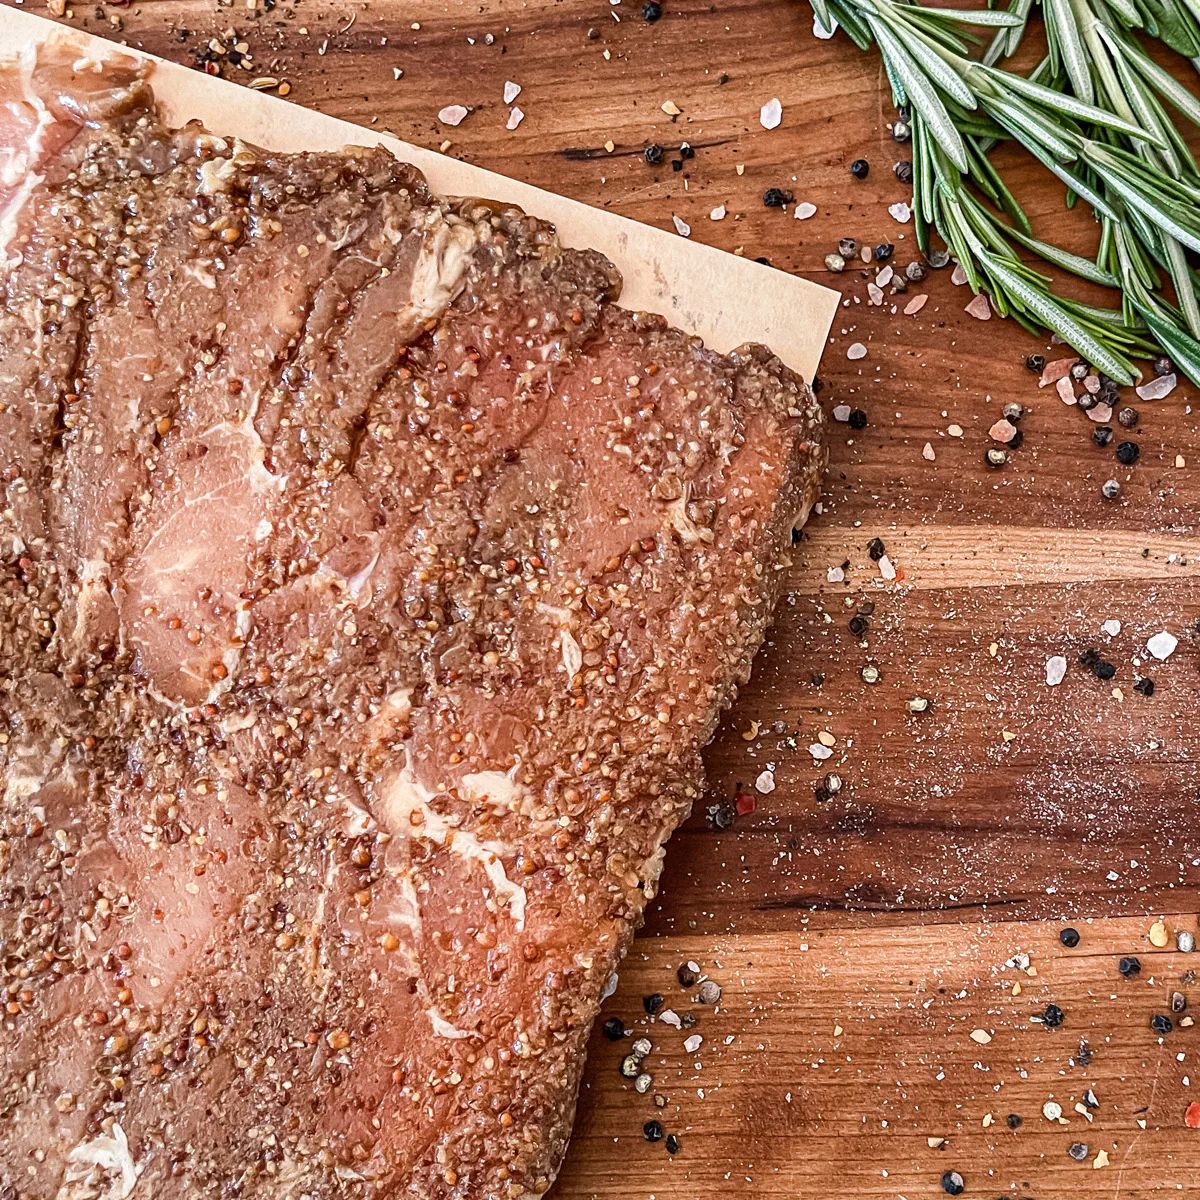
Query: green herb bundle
{"points": [[1100, 113]]}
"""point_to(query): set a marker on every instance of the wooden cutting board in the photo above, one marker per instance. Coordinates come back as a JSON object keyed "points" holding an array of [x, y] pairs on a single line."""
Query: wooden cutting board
{"points": [[885, 956]]}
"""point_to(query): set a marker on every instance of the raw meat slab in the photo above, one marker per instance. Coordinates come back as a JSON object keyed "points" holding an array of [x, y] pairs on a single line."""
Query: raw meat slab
{"points": [[369, 585]]}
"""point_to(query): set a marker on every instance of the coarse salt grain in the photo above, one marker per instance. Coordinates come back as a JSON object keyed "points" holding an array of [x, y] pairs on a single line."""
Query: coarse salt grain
{"points": [[835, 575], [819, 752], [511, 91], [981, 1036], [1066, 390], [804, 210], [954, 430], [1052, 372], [822, 31], [856, 351], [1003, 430], [915, 305], [841, 412], [771, 114], [900, 212], [765, 783], [515, 117], [1157, 389], [929, 453], [1162, 645], [453, 114], [979, 308], [1111, 627], [693, 1043], [1052, 1110], [718, 213], [1056, 670], [958, 276], [886, 569], [681, 226], [1099, 413]]}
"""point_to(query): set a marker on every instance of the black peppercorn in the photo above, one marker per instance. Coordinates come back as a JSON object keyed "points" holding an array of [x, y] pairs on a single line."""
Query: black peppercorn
{"points": [[1053, 1016], [884, 251], [672, 1144], [686, 976], [876, 549], [1102, 435], [857, 419], [652, 1131], [858, 625], [902, 132], [1144, 686], [652, 1003], [995, 457], [1127, 418], [1104, 670], [1035, 363], [860, 168], [952, 1183], [1110, 489], [687, 150], [1161, 1023], [1129, 967], [775, 197], [653, 154], [1127, 453], [614, 1029], [1163, 366], [1014, 1121], [903, 171], [1069, 937], [651, 11]]}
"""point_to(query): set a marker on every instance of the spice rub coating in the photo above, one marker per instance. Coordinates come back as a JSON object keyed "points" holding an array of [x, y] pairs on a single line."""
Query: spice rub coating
{"points": [[370, 582]]}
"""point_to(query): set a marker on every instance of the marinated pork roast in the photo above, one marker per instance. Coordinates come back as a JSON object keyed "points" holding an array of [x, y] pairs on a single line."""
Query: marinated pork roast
{"points": [[369, 585]]}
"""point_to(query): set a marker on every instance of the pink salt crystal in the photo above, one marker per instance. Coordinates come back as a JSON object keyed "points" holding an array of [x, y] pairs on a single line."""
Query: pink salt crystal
{"points": [[1091, 384], [1066, 390], [958, 276], [1100, 413], [979, 308], [915, 305], [1158, 389], [1003, 431], [1054, 371]]}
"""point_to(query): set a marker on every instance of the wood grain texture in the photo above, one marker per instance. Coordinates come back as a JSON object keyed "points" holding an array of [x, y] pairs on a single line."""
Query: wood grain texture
{"points": [[962, 834]]}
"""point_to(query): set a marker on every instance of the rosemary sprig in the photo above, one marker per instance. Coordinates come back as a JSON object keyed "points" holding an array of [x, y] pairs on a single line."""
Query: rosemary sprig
{"points": [[1099, 113]]}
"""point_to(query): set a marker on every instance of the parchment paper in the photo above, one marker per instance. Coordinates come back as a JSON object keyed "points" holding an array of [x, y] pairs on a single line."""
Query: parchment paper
{"points": [[725, 299]]}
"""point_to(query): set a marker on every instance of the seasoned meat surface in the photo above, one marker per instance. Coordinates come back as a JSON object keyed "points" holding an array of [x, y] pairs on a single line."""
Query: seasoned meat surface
{"points": [[370, 582]]}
